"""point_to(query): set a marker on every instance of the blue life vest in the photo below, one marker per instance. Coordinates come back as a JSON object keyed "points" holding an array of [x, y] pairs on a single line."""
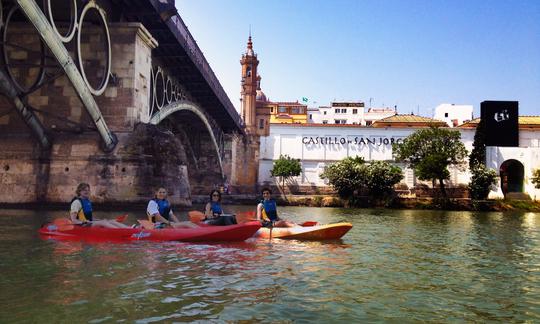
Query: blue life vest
{"points": [[85, 214], [164, 208], [216, 208], [270, 209]]}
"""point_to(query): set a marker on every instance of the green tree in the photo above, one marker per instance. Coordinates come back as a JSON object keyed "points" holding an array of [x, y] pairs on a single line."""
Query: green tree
{"points": [[286, 167], [430, 152], [482, 178], [381, 178], [352, 177], [478, 153], [535, 179], [346, 176]]}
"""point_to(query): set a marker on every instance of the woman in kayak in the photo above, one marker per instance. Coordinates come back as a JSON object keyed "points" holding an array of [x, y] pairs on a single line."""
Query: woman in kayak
{"points": [[80, 211], [267, 212], [214, 213], [159, 212]]}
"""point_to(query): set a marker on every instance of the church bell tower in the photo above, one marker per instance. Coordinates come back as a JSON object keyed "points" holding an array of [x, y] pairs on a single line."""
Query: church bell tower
{"points": [[248, 86]]}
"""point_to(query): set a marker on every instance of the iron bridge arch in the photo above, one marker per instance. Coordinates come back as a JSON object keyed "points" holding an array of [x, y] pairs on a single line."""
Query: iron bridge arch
{"points": [[185, 105]]}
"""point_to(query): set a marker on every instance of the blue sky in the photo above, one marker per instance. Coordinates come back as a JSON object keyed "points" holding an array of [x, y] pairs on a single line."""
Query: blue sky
{"points": [[413, 54]]}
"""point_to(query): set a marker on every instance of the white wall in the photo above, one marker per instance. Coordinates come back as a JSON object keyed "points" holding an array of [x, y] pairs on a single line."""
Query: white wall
{"points": [[318, 146], [450, 112], [528, 153], [329, 114]]}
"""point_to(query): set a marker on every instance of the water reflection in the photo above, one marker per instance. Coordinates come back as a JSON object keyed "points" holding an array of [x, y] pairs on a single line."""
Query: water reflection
{"points": [[393, 265]]}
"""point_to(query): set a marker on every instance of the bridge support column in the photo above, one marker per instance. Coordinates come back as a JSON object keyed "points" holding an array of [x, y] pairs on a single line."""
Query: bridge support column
{"points": [[243, 164]]}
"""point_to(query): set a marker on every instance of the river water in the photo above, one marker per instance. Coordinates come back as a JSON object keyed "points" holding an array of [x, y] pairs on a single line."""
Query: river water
{"points": [[394, 265]]}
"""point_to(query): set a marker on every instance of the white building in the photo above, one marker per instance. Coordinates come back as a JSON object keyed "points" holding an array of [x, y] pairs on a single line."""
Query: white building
{"points": [[319, 145], [453, 115], [352, 113], [337, 113], [374, 114]]}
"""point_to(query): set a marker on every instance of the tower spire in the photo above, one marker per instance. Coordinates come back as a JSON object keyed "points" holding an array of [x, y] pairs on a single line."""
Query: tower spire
{"points": [[249, 50]]}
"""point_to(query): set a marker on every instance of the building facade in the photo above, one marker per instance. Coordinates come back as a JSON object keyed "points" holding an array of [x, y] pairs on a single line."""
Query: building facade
{"points": [[453, 115], [353, 113], [317, 146], [286, 112]]}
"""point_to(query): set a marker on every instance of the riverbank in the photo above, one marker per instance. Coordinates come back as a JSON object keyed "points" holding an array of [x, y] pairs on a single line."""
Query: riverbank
{"points": [[398, 203], [317, 201]]}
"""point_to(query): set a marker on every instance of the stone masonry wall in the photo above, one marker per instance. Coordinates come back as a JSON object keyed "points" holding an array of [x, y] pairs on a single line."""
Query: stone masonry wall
{"points": [[28, 174], [244, 164]]}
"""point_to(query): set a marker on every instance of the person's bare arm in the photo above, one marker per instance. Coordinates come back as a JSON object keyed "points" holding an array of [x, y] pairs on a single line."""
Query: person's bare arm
{"points": [[208, 211], [74, 220], [160, 218], [173, 217], [259, 211]]}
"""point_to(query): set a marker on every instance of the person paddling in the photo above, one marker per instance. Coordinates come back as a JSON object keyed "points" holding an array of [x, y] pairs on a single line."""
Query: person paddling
{"points": [[214, 213], [160, 212], [80, 210], [267, 212]]}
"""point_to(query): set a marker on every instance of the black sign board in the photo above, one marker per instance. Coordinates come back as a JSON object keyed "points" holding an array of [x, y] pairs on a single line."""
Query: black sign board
{"points": [[501, 122]]}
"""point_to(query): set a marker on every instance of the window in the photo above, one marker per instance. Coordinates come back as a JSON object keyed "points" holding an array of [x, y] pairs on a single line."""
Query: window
{"points": [[368, 122], [295, 110], [336, 121], [325, 121], [337, 111], [310, 116], [300, 110], [261, 123], [445, 114], [282, 109], [324, 113], [272, 110], [344, 110], [355, 111]]}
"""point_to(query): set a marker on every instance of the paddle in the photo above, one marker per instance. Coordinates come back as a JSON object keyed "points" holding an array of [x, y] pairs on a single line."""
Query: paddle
{"points": [[196, 216], [246, 216], [121, 218], [309, 223]]}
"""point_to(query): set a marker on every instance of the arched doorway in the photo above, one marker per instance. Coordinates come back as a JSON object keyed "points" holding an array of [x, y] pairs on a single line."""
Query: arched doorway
{"points": [[511, 172]]}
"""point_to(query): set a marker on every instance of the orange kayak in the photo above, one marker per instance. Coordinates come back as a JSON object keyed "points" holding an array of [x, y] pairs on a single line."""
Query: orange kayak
{"points": [[315, 233]]}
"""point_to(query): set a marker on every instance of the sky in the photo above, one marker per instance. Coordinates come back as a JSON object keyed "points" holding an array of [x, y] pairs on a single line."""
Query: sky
{"points": [[411, 54]]}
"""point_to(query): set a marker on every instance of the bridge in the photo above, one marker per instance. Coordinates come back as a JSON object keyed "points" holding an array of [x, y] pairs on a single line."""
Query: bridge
{"points": [[115, 93]]}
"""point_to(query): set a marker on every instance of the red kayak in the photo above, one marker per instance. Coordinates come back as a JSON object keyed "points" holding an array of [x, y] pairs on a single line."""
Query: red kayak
{"points": [[229, 233]]}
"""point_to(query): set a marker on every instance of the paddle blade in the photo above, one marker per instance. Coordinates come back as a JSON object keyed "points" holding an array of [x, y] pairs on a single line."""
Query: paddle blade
{"points": [[121, 218], [309, 223], [247, 216], [195, 216]]}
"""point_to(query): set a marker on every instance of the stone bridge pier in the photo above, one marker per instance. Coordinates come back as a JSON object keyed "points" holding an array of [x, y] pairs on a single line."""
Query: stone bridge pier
{"points": [[116, 94]]}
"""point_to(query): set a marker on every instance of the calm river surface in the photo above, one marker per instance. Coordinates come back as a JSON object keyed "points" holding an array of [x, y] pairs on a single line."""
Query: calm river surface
{"points": [[394, 265]]}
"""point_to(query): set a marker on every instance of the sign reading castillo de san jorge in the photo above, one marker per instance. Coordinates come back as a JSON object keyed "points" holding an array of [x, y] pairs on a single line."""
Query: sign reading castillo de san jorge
{"points": [[356, 140]]}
